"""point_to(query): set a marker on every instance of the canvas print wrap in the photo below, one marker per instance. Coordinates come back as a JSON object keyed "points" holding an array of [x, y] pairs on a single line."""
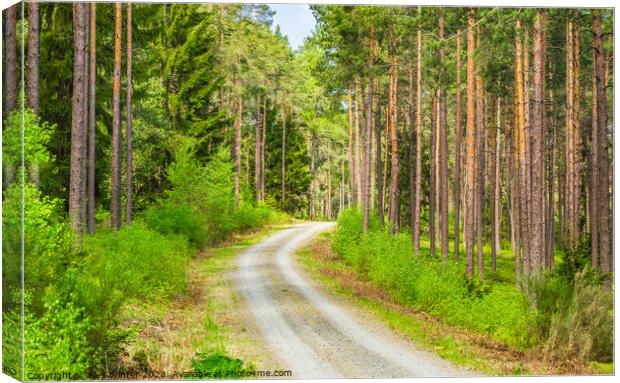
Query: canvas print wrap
{"points": [[260, 191]]}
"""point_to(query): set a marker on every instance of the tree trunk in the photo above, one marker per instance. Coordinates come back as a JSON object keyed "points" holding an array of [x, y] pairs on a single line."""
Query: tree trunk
{"points": [[537, 249], [411, 167], [92, 120], [85, 130], [341, 191], [257, 149], [418, 156], [526, 173], [379, 165], [393, 118], [262, 150], [358, 165], [78, 113], [368, 132], [283, 181], [33, 57], [573, 159], [221, 61], [10, 56], [443, 151], [237, 143], [480, 161], [352, 153], [551, 193], [593, 174], [514, 182], [311, 204], [432, 192], [128, 181], [521, 145], [604, 203], [328, 199], [498, 183], [494, 178], [470, 149], [116, 122], [457, 150]]}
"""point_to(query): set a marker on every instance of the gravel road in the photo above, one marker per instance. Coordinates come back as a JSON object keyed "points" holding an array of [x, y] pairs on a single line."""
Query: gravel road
{"points": [[313, 334]]}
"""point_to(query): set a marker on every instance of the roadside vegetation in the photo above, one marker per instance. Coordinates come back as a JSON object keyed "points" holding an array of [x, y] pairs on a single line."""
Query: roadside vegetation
{"points": [[542, 321], [78, 289]]}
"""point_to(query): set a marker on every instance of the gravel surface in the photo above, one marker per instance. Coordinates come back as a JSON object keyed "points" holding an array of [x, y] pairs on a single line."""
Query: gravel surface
{"points": [[313, 334]]}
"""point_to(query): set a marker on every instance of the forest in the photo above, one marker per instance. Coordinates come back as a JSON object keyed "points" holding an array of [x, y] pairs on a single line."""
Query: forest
{"points": [[465, 154]]}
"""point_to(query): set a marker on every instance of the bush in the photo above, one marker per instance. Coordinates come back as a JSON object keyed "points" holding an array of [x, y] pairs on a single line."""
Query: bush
{"points": [[571, 318], [180, 219], [200, 205], [56, 342], [219, 365], [568, 317], [137, 262], [48, 243], [439, 288]]}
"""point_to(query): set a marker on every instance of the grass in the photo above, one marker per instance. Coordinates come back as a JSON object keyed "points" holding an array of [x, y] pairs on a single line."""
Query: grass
{"points": [[465, 347], [207, 320]]}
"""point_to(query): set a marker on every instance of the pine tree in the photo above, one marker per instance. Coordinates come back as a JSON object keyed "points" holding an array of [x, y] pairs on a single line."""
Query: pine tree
{"points": [[32, 81], [10, 57], [470, 155], [129, 123], [92, 118], [78, 121], [115, 204], [456, 190]]}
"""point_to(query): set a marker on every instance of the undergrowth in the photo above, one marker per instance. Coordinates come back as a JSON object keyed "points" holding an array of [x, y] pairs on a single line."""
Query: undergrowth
{"points": [[76, 289], [567, 318]]}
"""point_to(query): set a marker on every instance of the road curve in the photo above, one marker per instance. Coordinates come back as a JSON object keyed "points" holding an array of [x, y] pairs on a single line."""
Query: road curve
{"points": [[313, 334]]}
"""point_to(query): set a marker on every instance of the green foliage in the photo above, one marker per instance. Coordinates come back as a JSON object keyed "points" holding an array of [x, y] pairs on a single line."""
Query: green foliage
{"points": [[190, 71], [199, 205], [11, 341], [47, 242], [438, 288], [36, 136], [571, 317], [218, 365], [82, 306], [56, 342], [137, 262], [178, 219]]}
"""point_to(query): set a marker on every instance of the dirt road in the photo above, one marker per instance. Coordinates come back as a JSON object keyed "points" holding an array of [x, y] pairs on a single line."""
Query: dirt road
{"points": [[313, 334]]}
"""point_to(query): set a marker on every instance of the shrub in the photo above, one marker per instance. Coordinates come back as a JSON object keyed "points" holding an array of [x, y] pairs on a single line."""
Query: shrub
{"points": [[137, 262], [56, 343], [180, 219], [199, 204], [48, 242], [37, 134], [440, 288], [205, 190], [571, 318], [219, 365]]}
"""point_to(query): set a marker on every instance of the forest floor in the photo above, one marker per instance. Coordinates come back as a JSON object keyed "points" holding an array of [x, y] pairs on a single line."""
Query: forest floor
{"points": [[463, 347]]}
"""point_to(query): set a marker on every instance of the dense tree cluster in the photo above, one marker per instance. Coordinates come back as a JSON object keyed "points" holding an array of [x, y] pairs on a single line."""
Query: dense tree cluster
{"points": [[532, 164]]}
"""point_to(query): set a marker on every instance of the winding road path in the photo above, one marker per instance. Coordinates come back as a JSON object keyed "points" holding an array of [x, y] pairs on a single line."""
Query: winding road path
{"points": [[313, 334]]}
